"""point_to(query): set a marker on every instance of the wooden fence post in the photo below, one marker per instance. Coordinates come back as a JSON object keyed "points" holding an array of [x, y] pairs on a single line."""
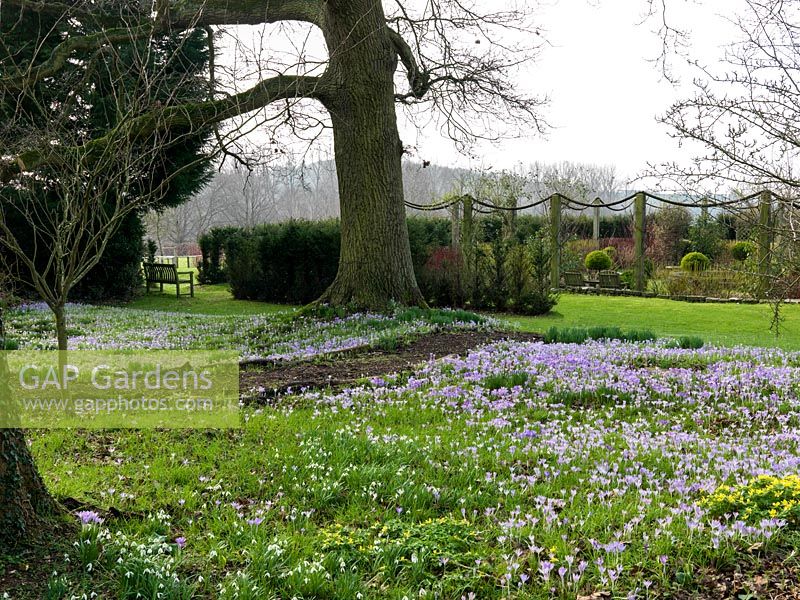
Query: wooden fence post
{"points": [[764, 240], [596, 223], [468, 250], [639, 216], [555, 240], [455, 225]]}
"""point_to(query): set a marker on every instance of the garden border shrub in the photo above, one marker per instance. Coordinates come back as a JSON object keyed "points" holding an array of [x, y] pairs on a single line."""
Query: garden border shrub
{"points": [[742, 250], [598, 260], [695, 262]]}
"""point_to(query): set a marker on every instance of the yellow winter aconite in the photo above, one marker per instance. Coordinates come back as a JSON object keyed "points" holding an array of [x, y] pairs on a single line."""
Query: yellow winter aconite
{"points": [[764, 497], [444, 536]]}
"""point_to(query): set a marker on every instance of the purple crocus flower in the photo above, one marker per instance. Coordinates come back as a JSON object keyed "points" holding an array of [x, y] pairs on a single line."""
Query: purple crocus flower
{"points": [[90, 517]]}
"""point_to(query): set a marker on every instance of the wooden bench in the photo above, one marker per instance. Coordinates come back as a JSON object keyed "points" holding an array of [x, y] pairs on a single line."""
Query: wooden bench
{"points": [[574, 279], [161, 274], [611, 280]]}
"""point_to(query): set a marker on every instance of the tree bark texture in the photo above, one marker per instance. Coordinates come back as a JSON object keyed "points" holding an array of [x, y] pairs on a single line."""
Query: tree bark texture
{"points": [[375, 266], [24, 501]]}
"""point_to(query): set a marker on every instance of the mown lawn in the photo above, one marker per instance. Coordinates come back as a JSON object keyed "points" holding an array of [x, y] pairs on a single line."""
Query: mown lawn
{"points": [[208, 300], [726, 324]]}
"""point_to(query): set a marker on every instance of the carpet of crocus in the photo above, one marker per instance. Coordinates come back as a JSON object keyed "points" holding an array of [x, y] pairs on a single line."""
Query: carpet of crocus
{"points": [[521, 470], [276, 338]]}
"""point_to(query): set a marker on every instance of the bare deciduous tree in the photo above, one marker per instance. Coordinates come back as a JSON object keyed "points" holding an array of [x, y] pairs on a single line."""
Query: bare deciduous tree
{"points": [[454, 58], [80, 193], [579, 181], [68, 192], [743, 118]]}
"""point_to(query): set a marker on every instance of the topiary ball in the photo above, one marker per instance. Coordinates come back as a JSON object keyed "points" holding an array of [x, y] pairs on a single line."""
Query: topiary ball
{"points": [[741, 251], [597, 260], [695, 261], [611, 251]]}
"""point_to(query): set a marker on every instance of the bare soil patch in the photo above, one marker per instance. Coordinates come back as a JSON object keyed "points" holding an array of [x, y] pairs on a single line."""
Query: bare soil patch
{"points": [[24, 574], [345, 369]]}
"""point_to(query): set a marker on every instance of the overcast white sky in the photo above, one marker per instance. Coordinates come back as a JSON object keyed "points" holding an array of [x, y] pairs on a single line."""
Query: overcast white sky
{"points": [[605, 93], [597, 69]]}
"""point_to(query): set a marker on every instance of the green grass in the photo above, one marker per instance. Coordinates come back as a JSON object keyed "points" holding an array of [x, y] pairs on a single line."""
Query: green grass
{"points": [[208, 300], [415, 485], [725, 324], [578, 335], [420, 496]]}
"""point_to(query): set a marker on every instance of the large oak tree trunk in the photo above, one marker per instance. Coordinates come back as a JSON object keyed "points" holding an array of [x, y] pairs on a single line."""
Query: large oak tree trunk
{"points": [[375, 266], [24, 501]]}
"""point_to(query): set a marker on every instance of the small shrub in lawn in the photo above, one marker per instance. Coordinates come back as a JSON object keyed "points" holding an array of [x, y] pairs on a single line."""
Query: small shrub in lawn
{"points": [[533, 304], [598, 260], [627, 277], [741, 251], [765, 497], [150, 250], [695, 262], [536, 297]]}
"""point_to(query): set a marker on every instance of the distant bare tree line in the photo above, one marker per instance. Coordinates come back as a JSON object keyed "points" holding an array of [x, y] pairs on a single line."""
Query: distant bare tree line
{"points": [[240, 197], [278, 192]]}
